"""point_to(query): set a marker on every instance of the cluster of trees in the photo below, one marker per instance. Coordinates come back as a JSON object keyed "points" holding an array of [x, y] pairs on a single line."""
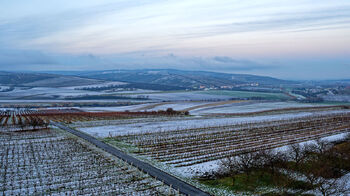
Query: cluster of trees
{"points": [[171, 111], [312, 168], [99, 88]]}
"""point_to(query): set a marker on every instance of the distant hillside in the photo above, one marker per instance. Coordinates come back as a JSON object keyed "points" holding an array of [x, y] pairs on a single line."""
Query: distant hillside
{"points": [[43, 80], [184, 79], [155, 79], [11, 78]]}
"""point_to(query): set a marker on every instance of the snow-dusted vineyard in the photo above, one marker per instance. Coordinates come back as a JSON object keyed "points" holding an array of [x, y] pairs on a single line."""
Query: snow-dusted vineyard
{"points": [[52, 163], [20, 120], [159, 124], [245, 107], [195, 146]]}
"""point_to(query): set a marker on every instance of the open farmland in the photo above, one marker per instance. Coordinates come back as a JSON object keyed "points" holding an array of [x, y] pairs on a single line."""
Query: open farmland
{"points": [[21, 120], [184, 96], [51, 162], [104, 128], [248, 94], [25, 118], [194, 146], [250, 106]]}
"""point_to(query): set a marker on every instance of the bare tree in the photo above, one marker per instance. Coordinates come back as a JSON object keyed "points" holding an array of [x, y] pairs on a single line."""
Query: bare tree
{"points": [[298, 154], [36, 122], [243, 163], [317, 176], [272, 160]]}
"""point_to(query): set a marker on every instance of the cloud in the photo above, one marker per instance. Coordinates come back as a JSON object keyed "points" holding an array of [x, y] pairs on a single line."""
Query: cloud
{"points": [[224, 59], [327, 18], [146, 24], [39, 25], [225, 35], [11, 58]]}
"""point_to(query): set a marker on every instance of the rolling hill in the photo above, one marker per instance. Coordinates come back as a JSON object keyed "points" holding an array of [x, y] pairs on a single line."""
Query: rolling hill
{"points": [[184, 79], [43, 80]]}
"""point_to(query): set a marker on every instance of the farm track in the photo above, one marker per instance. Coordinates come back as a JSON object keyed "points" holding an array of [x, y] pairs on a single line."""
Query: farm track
{"points": [[172, 181]]}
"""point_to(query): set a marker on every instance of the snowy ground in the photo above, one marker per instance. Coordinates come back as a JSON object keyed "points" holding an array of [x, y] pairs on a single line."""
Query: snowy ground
{"points": [[116, 109], [178, 124], [45, 91], [240, 107], [47, 162], [185, 96], [59, 92], [196, 122], [250, 107], [198, 169], [340, 98], [104, 84], [179, 105]]}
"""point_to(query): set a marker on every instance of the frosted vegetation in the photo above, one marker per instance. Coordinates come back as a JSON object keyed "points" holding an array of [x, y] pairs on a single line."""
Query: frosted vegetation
{"points": [[52, 163]]}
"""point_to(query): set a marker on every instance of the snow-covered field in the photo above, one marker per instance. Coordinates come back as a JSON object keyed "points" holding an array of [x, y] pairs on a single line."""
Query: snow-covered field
{"points": [[46, 162], [182, 105], [104, 84], [43, 101], [185, 96], [116, 109], [58, 92], [198, 169], [207, 107], [249, 107], [180, 124], [340, 98], [45, 91], [179, 105], [4, 88]]}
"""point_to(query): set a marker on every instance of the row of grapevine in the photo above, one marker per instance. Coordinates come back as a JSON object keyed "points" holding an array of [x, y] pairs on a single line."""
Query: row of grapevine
{"points": [[46, 162], [193, 146]]}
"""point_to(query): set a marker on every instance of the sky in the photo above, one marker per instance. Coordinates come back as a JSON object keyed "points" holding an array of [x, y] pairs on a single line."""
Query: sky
{"points": [[300, 39]]}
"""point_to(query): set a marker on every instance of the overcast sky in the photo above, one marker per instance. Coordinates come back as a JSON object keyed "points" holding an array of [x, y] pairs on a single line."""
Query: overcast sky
{"points": [[300, 39]]}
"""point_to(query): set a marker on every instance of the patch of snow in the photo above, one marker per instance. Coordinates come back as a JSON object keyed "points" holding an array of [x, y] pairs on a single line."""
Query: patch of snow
{"points": [[104, 84], [179, 105], [185, 96], [249, 107], [115, 109], [198, 169]]}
